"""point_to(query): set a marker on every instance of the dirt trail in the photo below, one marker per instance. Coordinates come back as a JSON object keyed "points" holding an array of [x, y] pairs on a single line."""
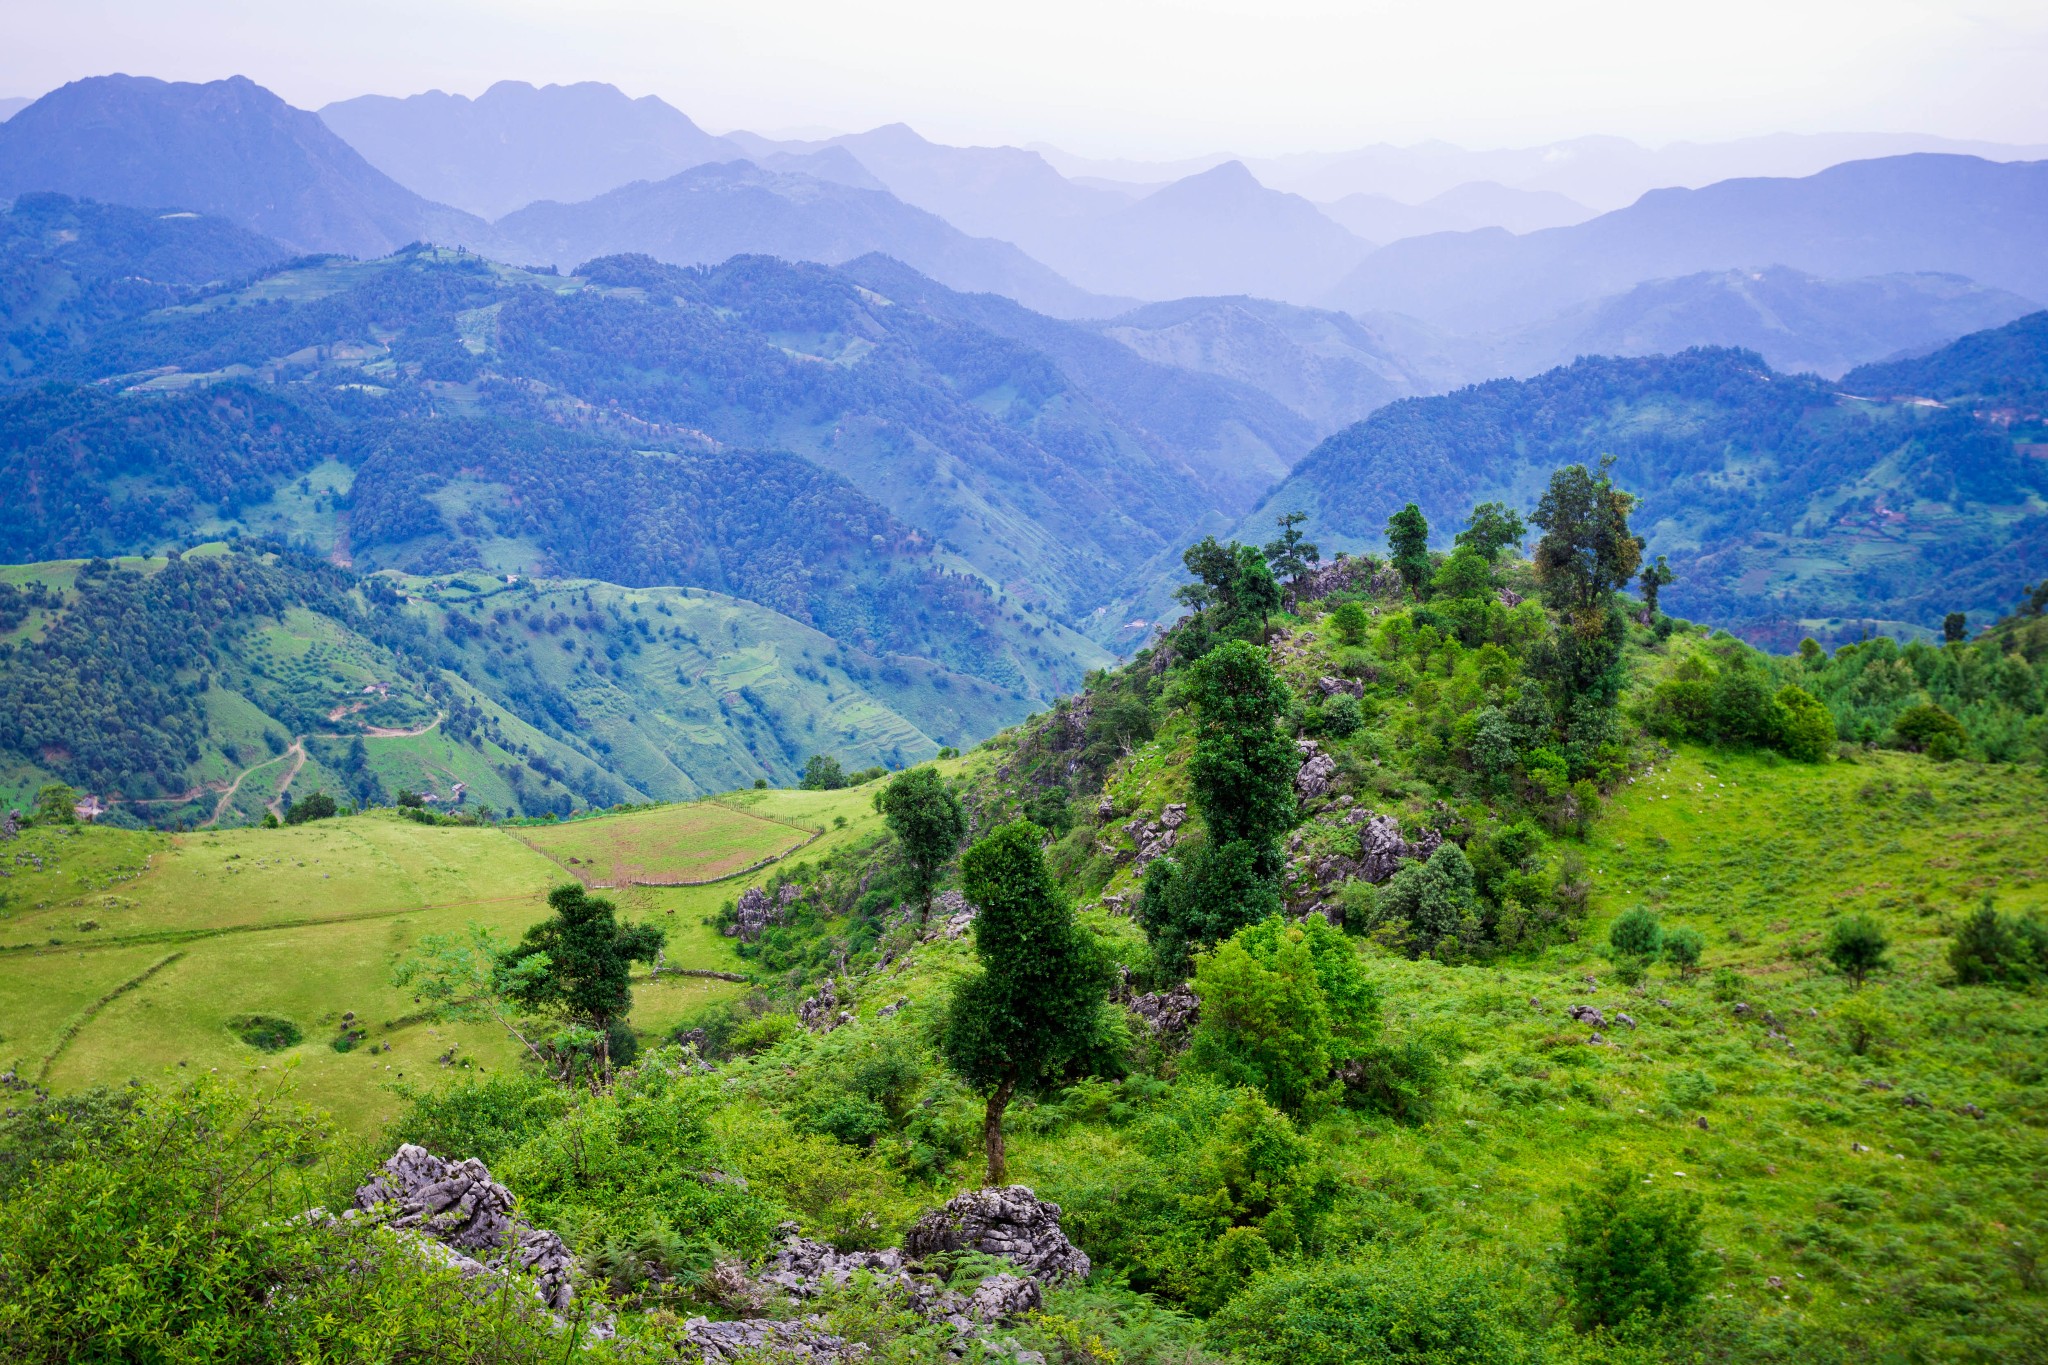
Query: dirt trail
{"points": [[297, 754], [220, 807]]}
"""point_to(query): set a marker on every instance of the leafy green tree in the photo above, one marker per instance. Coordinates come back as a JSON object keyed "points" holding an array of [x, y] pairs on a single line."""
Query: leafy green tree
{"points": [[1437, 900], [1930, 729], [1857, 947], [1990, 947], [1204, 896], [1034, 1005], [1350, 623], [1587, 550], [1234, 588], [1408, 547], [1806, 729], [1242, 769], [1282, 1005], [1955, 627], [929, 822], [1493, 528], [318, 806], [1656, 576], [822, 773], [1636, 934], [1291, 554], [56, 804], [1464, 574], [1682, 949], [1629, 1253], [587, 978]]}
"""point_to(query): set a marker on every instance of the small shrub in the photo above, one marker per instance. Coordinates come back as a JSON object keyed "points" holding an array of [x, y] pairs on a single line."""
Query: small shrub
{"points": [[1350, 623], [1857, 947], [1728, 984], [1691, 1089], [265, 1032], [1630, 1253], [762, 1033], [1407, 1305], [1919, 727], [1990, 947], [1636, 934], [1865, 1027], [1682, 949]]}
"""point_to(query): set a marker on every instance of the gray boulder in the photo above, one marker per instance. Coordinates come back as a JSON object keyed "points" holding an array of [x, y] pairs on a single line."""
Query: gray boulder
{"points": [[1010, 1222], [455, 1205]]}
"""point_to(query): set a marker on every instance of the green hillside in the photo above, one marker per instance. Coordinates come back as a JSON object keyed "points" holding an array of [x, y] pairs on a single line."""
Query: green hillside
{"points": [[1787, 507], [212, 688], [1386, 1134]]}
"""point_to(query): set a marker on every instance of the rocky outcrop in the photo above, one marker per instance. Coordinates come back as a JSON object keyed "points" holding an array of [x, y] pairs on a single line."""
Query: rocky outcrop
{"points": [[718, 1342], [1156, 837], [457, 1207], [1330, 687], [757, 910], [1009, 1221], [1381, 847], [822, 1013], [1169, 1015], [1317, 771]]}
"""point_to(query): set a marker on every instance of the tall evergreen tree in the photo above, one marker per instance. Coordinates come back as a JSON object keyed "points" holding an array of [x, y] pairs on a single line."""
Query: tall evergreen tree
{"points": [[1291, 554], [1034, 1005], [1408, 546]]}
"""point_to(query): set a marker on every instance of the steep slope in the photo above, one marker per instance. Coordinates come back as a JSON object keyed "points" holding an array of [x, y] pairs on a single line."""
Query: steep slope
{"points": [[1784, 507], [69, 267], [1796, 321], [515, 143], [227, 148], [712, 213], [1954, 214]]}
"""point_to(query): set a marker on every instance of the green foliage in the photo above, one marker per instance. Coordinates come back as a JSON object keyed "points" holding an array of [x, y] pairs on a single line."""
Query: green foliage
{"points": [[1656, 576], [1431, 908], [318, 806], [1350, 623], [55, 805], [1929, 728], [1636, 934], [1204, 896], [822, 773], [577, 967], [1234, 594], [1282, 1006], [1408, 547], [1493, 527], [2007, 950], [1629, 1253], [928, 821], [1587, 550], [1034, 1005], [1806, 731], [266, 1032], [1406, 1304], [1683, 947], [1242, 769], [1291, 554], [1857, 947]]}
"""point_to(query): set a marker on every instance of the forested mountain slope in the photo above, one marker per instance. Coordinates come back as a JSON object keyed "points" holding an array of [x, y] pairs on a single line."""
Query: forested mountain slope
{"points": [[1784, 506]]}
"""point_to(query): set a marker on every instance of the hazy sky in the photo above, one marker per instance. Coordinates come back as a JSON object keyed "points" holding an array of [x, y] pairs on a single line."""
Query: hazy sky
{"points": [[1125, 77]]}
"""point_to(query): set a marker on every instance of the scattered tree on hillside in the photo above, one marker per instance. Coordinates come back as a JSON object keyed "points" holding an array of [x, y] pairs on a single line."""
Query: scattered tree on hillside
{"points": [[575, 966], [823, 774], [318, 806], [1234, 589], [1857, 947], [1955, 628], [1291, 554], [1656, 576], [1629, 1253], [929, 822], [1408, 547], [1587, 551], [1493, 528], [1036, 1003], [56, 804]]}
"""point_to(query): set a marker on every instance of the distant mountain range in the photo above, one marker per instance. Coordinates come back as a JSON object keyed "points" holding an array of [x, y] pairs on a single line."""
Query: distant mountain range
{"points": [[515, 144], [228, 148], [1960, 215], [1464, 208]]}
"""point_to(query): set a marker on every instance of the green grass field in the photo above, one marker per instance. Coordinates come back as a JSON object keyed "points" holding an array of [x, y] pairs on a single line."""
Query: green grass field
{"points": [[305, 923], [699, 842]]}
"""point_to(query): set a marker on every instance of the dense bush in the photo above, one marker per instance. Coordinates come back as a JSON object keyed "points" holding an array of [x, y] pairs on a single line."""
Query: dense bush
{"points": [[1408, 1304], [1631, 1254]]}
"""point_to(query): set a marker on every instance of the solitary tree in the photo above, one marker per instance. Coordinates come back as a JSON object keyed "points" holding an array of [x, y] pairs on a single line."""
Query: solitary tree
{"points": [[1631, 1253], [1955, 627], [1656, 576], [822, 774], [587, 980], [1408, 546], [929, 822], [56, 804], [1587, 550], [1857, 947], [1033, 1007], [1495, 526], [1291, 555]]}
